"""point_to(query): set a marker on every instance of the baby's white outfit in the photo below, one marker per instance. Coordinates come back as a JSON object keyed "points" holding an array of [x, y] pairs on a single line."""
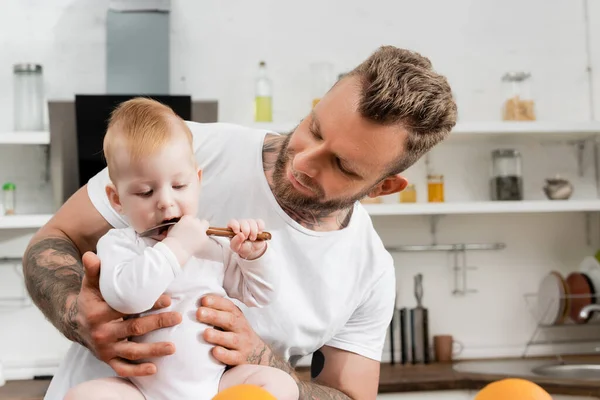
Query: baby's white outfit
{"points": [[135, 271]]}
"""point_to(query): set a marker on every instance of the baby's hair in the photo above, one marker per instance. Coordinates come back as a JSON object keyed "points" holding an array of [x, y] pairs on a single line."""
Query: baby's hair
{"points": [[143, 126]]}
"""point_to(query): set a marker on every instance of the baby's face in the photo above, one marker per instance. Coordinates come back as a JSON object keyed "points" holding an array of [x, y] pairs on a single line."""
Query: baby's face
{"points": [[160, 187]]}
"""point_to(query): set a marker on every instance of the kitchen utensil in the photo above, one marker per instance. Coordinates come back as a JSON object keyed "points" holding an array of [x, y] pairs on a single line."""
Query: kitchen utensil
{"points": [[212, 231], [392, 336], [405, 336], [590, 266], [552, 301], [419, 322], [558, 189], [582, 293]]}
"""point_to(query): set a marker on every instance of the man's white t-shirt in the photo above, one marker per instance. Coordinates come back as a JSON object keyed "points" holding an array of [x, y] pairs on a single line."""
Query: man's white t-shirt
{"points": [[335, 289]]}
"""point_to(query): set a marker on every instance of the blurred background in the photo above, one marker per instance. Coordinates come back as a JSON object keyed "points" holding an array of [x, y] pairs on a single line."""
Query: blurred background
{"points": [[502, 218]]}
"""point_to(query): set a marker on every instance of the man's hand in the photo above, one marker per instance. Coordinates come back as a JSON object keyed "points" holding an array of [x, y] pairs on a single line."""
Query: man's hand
{"points": [[104, 331], [237, 343]]}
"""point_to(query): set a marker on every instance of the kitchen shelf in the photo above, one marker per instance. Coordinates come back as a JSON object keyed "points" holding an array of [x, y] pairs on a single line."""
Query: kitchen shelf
{"points": [[25, 221], [496, 129], [483, 207], [25, 138]]}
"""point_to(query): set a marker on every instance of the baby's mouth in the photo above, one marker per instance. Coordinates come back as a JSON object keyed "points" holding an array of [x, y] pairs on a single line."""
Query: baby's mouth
{"points": [[170, 222]]}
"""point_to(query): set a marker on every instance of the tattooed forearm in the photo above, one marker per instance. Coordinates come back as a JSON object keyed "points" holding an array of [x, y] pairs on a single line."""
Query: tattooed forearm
{"points": [[313, 391], [308, 390], [53, 273]]}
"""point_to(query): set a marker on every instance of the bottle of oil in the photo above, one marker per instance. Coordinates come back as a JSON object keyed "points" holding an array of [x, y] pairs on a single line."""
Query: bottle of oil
{"points": [[263, 95]]}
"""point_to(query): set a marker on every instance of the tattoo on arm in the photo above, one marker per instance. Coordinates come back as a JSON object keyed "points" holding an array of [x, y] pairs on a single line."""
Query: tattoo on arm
{"points": [[308, 390], [53, 273]]}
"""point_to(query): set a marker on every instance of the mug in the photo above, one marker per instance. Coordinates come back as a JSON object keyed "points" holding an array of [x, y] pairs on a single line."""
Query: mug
{"points": [[446, 348]]}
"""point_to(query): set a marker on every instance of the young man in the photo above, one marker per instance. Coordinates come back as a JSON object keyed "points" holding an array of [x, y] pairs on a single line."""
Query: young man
{"points": [[338, 280]]}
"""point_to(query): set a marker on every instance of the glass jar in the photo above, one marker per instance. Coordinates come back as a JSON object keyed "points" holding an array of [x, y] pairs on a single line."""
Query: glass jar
{"points": [[507, 181], [435, 188], [518, 97], [409, 194], [9, 198], [28, 97]]}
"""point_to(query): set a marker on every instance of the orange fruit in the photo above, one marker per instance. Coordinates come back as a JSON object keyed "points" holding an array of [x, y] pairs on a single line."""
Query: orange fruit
{"points": [[244, 392], [513, 389]]}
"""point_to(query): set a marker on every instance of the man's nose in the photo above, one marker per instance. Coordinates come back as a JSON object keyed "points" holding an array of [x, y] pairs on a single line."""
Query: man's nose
{"points": [[309, 162]]}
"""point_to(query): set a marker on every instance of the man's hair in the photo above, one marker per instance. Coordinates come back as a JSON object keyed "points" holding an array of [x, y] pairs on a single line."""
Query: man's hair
{"points": [[142, 125], [400, 87]]}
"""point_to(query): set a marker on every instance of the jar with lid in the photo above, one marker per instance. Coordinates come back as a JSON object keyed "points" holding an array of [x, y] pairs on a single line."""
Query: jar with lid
{"points": [[507, 181], [409, 194], [8, 198], [518, 102], [435, 188], [28, 97]]}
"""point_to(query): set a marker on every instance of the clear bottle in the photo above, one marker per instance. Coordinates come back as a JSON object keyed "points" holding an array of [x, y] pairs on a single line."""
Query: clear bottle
{"points": [[8, 198], [28, 97], [263, 95]]}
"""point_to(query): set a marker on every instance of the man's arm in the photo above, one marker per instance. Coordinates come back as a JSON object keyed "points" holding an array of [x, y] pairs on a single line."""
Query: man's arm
{"points": [[52, 264], [337, 374], [344, 375]]}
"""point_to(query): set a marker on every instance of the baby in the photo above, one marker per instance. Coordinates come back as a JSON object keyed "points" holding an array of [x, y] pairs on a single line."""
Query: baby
{"points": [[155, 178]]}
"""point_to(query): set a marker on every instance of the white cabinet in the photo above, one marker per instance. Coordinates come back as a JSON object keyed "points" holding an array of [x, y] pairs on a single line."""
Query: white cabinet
{"points": [[436, 395], [457, 395]]}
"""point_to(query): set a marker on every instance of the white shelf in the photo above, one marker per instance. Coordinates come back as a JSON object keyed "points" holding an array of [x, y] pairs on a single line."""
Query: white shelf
{"points": [[30, 221], [24, 137], [484, 207], [495, 129]]}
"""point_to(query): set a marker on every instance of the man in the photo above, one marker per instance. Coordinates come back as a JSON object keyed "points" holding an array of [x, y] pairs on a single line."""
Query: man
{"points": [[337, 293]]}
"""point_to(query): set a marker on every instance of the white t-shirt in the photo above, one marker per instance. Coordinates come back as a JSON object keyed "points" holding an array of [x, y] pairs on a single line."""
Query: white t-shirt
{"points": [[136, 271], [335, 288]]}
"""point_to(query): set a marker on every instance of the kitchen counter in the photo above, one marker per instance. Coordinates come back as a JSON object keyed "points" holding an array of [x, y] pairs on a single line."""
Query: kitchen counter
{"points": [[414, 378]]}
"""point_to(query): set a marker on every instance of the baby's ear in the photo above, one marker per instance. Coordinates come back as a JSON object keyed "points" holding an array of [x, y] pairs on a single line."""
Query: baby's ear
{"points": [[113, 197], [199, 175]]}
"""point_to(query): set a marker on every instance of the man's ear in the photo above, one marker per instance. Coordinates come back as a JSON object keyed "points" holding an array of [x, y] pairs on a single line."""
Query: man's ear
{"points": [[113, 197], [391, 184]]}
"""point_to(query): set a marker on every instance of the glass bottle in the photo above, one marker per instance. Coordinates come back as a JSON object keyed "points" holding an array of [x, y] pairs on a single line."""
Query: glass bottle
{"points": [[518, 102], [435, 188], [28, 97], [8, 198], [263, 95], [507, 180]]}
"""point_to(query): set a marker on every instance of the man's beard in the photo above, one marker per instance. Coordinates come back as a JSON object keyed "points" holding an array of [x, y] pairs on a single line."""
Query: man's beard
{"points": [[289, 197]]}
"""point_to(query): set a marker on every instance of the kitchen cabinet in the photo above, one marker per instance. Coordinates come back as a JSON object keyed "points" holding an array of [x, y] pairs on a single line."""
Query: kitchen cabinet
{"points": [[457, 395], [435, 395]]}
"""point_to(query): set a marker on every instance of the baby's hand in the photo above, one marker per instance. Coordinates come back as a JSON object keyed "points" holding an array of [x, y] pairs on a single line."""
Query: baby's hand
{"points": [[244, 242], [190, 233]]}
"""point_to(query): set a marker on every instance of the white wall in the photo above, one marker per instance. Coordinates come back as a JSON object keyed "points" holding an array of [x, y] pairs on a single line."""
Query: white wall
{"points": [[216, 47]]}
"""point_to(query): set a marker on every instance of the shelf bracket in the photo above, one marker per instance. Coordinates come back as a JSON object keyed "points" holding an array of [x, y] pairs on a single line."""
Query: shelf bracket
{"points": [[580, 152], [596, 167], [47, 163], [433, 224]]}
